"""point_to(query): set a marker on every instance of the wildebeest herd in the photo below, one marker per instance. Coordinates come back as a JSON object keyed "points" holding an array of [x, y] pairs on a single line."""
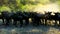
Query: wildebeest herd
{"points": [[23, 18]]}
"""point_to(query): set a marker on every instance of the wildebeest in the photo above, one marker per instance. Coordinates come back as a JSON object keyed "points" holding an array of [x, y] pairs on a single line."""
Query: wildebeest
{"points": [[57, 18], [17, 17], [47, 17], [1, 17], [6, 16], [26, 17], [40, 18], [35, 18]]}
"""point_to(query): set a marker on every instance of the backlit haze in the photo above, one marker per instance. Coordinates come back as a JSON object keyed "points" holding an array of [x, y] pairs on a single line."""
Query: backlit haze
{"points": [[31, 5]]}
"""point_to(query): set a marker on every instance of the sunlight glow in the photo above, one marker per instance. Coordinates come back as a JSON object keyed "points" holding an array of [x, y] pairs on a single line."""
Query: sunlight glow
{"points": [[47, 7]]}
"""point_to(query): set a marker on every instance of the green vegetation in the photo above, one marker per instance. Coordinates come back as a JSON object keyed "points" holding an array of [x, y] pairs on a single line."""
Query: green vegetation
{"points": [[24, 5]]}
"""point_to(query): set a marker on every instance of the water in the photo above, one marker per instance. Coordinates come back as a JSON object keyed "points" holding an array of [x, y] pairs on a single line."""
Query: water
{"points": [[41, 29]]}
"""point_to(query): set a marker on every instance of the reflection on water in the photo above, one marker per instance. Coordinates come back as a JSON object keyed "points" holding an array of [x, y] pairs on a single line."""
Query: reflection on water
{"points": [[30, 30]]}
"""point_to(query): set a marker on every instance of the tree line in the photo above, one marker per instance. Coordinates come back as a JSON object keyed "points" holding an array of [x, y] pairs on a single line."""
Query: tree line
{"points": [[23, 4]]}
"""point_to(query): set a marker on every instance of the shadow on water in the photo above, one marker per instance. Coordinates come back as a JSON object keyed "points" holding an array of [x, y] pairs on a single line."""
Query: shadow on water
{"points": [[29, 29], [57, 27], [25, 30]]}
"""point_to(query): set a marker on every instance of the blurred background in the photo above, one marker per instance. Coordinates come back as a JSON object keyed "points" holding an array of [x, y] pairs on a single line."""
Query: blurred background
{"points": [[30, 5]]}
